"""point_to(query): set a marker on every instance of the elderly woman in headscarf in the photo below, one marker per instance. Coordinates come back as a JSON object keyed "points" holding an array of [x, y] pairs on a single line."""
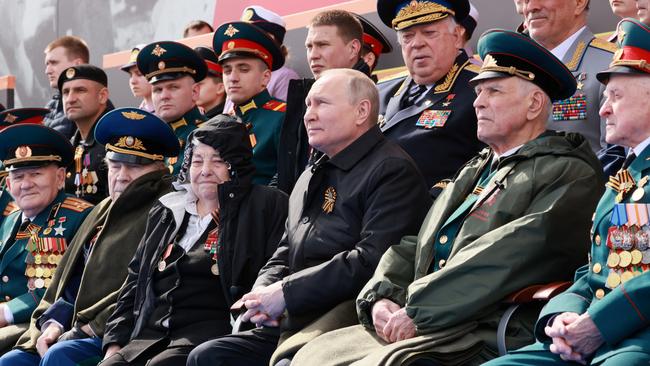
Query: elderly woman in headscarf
{"points": [[201, 251]]}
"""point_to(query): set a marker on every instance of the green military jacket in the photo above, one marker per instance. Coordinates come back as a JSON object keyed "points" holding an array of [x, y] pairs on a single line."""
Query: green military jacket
{"points": [[25, 265], [263, 115], [614, 287], [182, 128], [119, 227], [527, 225]]}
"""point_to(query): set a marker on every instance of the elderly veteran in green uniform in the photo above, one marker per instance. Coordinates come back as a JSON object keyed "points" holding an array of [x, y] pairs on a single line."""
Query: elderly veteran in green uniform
{"points": [[8, 118], [34, 238], [603, 318], [514, 216], [247, 55], [84, 91], [174, 70], [429, 112], [68, 325]]}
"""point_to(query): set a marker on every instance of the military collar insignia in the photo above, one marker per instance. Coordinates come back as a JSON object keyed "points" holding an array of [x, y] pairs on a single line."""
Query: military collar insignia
{"points": [[158, 51], [450, 78], [178, 124], [248, 106], [329, 200], [577, 56]]}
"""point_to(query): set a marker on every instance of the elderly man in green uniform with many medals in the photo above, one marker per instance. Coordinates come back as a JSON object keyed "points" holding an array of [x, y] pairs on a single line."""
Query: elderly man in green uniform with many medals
{"points": [[84, 294], [174, 71], [247, 56], [603, 318], [34, 238], [515, 216]]}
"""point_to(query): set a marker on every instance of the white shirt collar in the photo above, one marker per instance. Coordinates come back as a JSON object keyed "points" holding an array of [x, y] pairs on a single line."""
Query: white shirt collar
{"points": [[561, 49], [638, 149], [507, 153]]}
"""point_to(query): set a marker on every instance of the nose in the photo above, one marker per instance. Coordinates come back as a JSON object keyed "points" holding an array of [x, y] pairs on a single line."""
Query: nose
{"points": [[479, 102], [606, 110]]}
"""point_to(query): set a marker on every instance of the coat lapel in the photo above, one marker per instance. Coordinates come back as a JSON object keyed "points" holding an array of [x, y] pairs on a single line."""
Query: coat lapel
{"points": [[574, 55], [10, 227]]}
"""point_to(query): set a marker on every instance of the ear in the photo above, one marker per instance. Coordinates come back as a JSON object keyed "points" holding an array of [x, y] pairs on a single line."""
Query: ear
{"points": [[103, 95], [78, 61], [8, 183], [196, 88], [363, 112], [355, 48], [536, 104], [60, 178], [581, 6], [459, 39], [221, 89], [266, 77]]}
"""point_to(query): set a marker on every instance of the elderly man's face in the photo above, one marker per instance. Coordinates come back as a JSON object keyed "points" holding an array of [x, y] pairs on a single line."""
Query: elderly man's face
{"points": [[173, 98], [498, 117], [330, 116], [207, 171], [626, 110], [83, 98], [551, 21], [623, 8], [35, 188], [643, 11], [121, 174], [429, 50]]}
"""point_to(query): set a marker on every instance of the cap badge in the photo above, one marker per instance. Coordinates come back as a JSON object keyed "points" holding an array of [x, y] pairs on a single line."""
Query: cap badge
{"points": [[133, 115], [161, 65], [231, 45], [330, 199], [70, 73], [131, 143], [248, 15], [158, 51], [10, 118], [23, 152], [230, 31]]}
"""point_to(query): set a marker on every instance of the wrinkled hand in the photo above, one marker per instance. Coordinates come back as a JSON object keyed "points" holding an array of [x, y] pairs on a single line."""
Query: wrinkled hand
{"points": [[583, 336], [47, 338], [265, 305], [382, 310], [111, 350], [399, 327]]}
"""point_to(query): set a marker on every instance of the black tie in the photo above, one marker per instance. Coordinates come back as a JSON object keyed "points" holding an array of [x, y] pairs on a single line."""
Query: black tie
{"points": [[414, 93], [630, 158]]}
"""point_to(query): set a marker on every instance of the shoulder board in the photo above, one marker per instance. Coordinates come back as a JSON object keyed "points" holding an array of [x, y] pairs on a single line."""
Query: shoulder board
{"points": [[603, 45], [76, 204], [398, 75], [11, 208], [473, 68], [275, 105]]}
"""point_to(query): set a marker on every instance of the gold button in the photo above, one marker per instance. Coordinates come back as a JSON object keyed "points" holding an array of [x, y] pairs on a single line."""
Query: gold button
{"points": [[443, 239], [442, 263], [7, 298], [600, 293], [597, 268], [597, 240]]}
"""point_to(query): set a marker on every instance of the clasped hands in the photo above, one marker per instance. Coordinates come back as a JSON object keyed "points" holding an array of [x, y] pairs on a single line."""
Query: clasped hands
{"points": [[575, 337], [391, 322], [265, 305]]}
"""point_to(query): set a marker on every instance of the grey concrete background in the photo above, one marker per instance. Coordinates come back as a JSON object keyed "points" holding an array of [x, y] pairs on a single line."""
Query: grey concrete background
{"points": [[115, 25]]}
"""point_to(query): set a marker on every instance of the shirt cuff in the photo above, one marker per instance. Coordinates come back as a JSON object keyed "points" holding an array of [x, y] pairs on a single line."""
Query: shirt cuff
{"points": [[52, 321], [9, 316]]}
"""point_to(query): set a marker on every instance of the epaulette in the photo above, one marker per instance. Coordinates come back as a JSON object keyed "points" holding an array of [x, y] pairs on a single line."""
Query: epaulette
{"points": [[394, 76], [11, 208], [275, 105], [76, 204], [473, 68], [603, 45]]}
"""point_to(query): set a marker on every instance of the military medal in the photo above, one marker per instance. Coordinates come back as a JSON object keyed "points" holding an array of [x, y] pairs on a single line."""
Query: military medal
{"points": [[330, 200], [613, 280], [447, 102], [215, 269], [625, 259], [211, 243], [613, 260], [30, 284], [39, 283], [638, 193], [622, 183], [162, 264]]}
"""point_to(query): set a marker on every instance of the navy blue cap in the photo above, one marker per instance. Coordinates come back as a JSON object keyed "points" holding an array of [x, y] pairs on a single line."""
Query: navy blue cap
{"points": [[169, 60], [135, 136], [33, 145]]}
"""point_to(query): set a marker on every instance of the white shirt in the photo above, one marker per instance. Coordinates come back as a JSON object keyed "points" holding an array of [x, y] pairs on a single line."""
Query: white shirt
{"points": [[196, 225], [507, 153], [561, 49], [638, 149]]}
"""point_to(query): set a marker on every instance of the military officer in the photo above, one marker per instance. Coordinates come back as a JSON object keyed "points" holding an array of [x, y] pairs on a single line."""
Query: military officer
{"points": [[561, 27], [212, 93], [174, 71], [437, 296], [8, 118], [33, 238], [429, 112], [374, 44], [248, 56], [603, 318], [84, 90], [80, 300]]}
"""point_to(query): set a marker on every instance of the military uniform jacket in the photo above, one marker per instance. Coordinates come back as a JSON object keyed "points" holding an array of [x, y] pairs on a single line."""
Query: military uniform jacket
{"points": [[586, 57], [118, 227], [56, 223], [263, 115], [439, 131], [527, 226], [7, 204], [182, 128], [343, 214], [87, 177], [619, 310]]}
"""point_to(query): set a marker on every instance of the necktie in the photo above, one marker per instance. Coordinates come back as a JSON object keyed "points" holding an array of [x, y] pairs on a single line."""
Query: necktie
{"points": [[414, 93], [630, 158]]}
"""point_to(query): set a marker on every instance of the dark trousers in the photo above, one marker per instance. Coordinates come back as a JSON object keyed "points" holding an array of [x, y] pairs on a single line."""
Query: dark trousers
{"points": [[174, 356], [251, 348]]}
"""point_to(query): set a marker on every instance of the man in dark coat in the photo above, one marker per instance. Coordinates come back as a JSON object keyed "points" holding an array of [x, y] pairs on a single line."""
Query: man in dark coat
{"points": [[69, 322], [345, 211], [201, 251]]}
